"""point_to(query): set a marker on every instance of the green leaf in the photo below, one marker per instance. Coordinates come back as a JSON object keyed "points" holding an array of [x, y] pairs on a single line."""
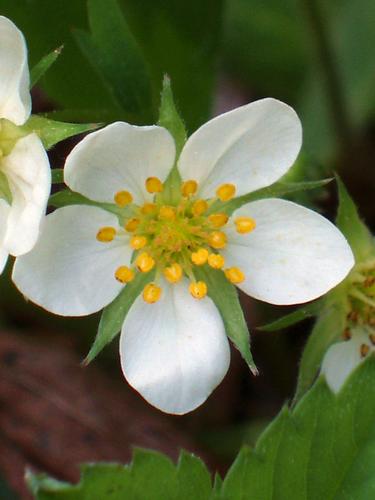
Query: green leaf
{"points": [[51, 132], [303, 312], [349, 222], [43, 65], [57, 175], [323, 449], [224, 294], [114, 314], [67, 197], [151, 476], [276, 190], [5, 192]]}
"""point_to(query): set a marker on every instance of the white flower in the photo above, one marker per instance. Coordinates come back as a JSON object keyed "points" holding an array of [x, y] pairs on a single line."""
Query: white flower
{"points": [[173, 347], [24, 167]]}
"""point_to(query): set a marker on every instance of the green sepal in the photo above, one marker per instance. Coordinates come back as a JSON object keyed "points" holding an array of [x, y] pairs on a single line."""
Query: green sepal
{"points": [[351, 225], [276, 190], [171, 120], [306, 311], [5, 192], [114, 314], [57, 175], [225, 297], [43, 66], [51, 132]]}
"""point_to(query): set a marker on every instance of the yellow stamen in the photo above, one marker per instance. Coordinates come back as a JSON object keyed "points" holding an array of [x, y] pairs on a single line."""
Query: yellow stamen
{"points": [[106, 234], [234, 275], [217, 239], [198, 289], [154, 185], [138, 242], [124, 274], [244, 224], [225, 192], [144, 262], [132, 225], [364, 350], [167, 213], [123, 198], [148, 208], [173, 273], [218, 220], [199, 207], [189, 188], [199, 257], [216, 261], [151, 293]]}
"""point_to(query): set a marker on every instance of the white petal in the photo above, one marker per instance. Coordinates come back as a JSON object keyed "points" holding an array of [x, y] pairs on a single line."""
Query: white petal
{"points": [[29, 176], [174, 352], [119, 157], [4, 213], [341, 359], [69, 272], [15, 100], [294, 254], [251, 147]]}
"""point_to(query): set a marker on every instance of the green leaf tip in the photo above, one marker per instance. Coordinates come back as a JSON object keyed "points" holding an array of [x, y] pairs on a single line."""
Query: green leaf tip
{"points": [[44, 65]]}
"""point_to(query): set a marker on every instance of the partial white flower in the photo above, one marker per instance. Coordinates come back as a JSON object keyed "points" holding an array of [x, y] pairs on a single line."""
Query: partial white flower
{"points": [[24, 167], [173, 349]]}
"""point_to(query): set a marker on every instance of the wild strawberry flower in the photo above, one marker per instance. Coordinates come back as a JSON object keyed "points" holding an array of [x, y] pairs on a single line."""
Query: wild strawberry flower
{"points": [[173, 346], [24, 167]]}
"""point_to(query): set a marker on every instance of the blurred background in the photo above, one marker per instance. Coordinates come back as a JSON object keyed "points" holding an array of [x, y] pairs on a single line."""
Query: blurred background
{"points": [[318, 57]]}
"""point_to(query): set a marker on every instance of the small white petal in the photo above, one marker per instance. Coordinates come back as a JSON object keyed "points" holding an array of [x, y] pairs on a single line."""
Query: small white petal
{"points": [[119, 157], [15, 99], [251, 147], [292, 256], [29, 176], [4, 213], [174, 352], [69, 272]]}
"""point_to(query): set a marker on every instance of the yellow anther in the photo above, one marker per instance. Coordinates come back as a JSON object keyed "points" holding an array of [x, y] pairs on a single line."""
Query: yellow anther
{"points": [[106, 234], [234, 275], [123, 198], [225, 192], [148, 208], [199, 207], [144, 262], [244, 224], [199, 257], [198, 289], [132, 225], [151, 293], [124, 274], [218, 220], [189, 188], [154, 185], [173, 273], [216, 261], [217, 239], [364, 350], [138, 242], [167, 213]]}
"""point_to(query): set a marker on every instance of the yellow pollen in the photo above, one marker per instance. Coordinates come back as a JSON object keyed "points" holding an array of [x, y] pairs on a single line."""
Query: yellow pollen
{"points": [[124, 274], [199, 257], [106, 234], [173, 273], [137, 242], [189, 187], [148, 208], [151, 293], [234, 275], [199, 207], [123, 198], [364, 350], [198, 289], [218, 220], [154, 185], [244, 224], [216, 261], [225, 192], [217, 239], [167, 213], [132, 225], [144, 262]]}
